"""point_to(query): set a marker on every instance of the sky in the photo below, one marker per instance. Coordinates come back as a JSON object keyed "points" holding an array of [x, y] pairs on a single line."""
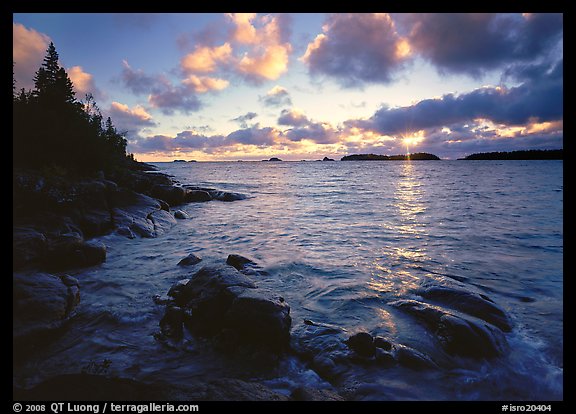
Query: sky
{"points": [[251, 86]]}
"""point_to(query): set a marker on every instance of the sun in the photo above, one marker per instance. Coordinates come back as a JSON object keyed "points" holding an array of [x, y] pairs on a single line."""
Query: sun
{"points": [[412, 139]]}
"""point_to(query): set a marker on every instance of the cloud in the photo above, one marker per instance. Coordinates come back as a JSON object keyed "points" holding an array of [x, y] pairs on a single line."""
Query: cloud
{"points": [[83, 82], [162, 94], [540, 98], [357, 48], [205, 59], [172, 99], [129, 119], [253, 136], [243, 119], [472, 43], [203, 84], [139, 82], [293, 117], [28, 50], [269, 52], [277, 96]]}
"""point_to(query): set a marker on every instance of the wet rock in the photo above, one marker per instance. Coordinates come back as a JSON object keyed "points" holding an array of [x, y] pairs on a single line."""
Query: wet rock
{"points": [[171, 194], [42, 303], [162, 221], [177, 287], [131, 210], [197, 196], [314, 394], [384, 358], [226, 196], [218, 298], [260, 317], [468, 302], [182, 215], [70, 250], [382, 343], [229, 389], [171, 322], [126, 232], [28, 246], [239, 262], [458, 335], [362, 343], [190, 260], [412, 358]]}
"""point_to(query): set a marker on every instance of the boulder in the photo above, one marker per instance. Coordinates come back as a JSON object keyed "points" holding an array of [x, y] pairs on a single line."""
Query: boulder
{"points": [[362, 343], [468, 302], [197, 196], [42, 302], [28, 246], [226, 196], [171, 194], [162, 221], [239, 262], [182, 215], [70, 250], [458, 334], [190, 260], [220, 299]]}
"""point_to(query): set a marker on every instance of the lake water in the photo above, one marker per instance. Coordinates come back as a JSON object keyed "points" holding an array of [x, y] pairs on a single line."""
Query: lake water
{"points": [[340, 241]]}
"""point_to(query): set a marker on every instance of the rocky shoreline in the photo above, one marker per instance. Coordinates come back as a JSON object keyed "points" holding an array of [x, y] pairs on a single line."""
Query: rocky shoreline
{"points": [[55, 220]]}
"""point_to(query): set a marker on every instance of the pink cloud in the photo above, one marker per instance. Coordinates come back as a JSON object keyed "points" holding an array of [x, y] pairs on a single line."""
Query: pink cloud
{"points": [[28, 50], [83, 82], [205, 59], [202, 84]]}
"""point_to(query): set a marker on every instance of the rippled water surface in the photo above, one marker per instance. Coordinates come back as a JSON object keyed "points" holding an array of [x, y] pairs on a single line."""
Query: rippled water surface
{"points": [[340, 240]]}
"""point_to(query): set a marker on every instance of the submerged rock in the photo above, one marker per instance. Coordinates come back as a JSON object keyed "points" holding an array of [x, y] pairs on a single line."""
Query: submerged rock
{"points": [[197, 196], [239, 262], [458, 335], [468, 302]]}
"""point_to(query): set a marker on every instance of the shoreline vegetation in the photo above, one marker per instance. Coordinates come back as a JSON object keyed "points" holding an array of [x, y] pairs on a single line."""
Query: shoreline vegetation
{"points": [[556, 154]]}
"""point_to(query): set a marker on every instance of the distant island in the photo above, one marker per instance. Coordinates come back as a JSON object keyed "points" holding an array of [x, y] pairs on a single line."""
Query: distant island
{"points": [[273, 159], [557, 154], [403, 157]]}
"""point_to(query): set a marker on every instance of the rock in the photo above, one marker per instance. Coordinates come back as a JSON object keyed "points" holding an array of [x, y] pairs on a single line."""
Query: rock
{"points": [[70, 250], [472, 303], [171, 322], [42, 303], [172, 194], [313, 394], [28, 246], [458, 335], [362, 343], [226, 196], [131, 210], [179, 214], [382, 343], [218, 298], [327, 159], [197, 196], [412, 358], [384, 358], [190, 260], [176, 288], [239, 262], [260, 317], [126, 232], [162, 221], [229, 389]]}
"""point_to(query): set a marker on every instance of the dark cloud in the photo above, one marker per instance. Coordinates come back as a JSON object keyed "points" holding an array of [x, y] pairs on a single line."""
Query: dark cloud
{"points": [[294, 118], [253, 136], [471, 43], [138, 82], [357, 48], [277, 96], [540, 98], [174, 99], [243, 119]]}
